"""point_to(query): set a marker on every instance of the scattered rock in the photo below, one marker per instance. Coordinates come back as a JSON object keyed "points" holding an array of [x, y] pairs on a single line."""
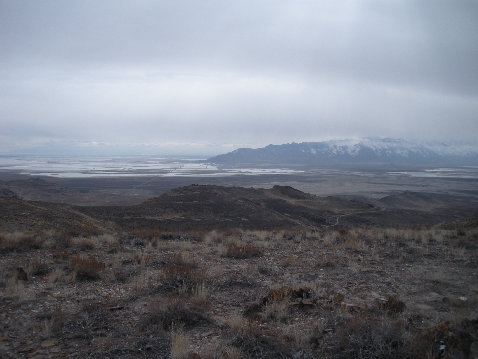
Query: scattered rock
{"points": [[26, 349], [37, 356], [115, 308], [49, 343], [20, 274]]}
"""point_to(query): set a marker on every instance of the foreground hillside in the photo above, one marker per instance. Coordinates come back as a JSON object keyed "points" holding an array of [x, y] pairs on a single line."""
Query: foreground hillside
{"points": [[140, 281], [241, 294]]}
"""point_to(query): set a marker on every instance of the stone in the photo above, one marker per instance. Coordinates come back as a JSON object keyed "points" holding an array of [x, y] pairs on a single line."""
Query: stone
{"points": [[21, 274], [49, 343]]}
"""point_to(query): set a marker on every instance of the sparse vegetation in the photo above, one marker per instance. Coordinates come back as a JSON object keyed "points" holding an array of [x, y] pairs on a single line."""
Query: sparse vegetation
{"points": [[242, 251], [179, 345], [327, 292], [19, 242], [86, 268], [175, 314], [181, 274]]}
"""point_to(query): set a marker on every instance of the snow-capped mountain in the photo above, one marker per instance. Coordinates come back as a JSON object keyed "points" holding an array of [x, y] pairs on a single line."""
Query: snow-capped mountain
{"points": [[352, 152]]}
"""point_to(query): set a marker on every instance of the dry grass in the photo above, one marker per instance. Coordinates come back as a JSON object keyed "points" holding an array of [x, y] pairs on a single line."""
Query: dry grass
{"points": [[142, 282], [174, 314], [38, 267], [220, 350], [16, 289], [179, 345], [370, 337], [258, 342], [237, 324], [330, 238], [438, 277], [107, 239], [83, 243], [212, 237], [200, 295], [276, 310], [58, 275], [53, 322], [243, 251], [86, 268], [19, 242], [181, 273], [290, 260], [142, 258], [307, 294], [352, 241]]}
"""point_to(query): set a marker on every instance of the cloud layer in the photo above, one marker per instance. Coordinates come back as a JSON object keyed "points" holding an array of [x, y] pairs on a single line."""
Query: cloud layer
{"points": [[210, 75]]}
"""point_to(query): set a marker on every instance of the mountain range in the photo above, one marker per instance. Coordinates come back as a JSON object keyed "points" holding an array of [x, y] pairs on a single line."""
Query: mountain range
{"points": [[372, 151]]}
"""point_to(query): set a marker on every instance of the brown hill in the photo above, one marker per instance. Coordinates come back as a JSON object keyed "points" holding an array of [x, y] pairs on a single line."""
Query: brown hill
{"points": [[208, 207], [17, 214]]}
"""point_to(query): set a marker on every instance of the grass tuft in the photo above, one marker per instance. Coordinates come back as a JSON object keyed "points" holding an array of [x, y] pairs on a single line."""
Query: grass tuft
{"points": [[86, 268]]}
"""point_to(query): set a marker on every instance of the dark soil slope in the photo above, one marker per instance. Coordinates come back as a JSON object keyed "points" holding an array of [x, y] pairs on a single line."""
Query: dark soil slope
{"points": [[20, 215], [223, 207], [207, 207]]}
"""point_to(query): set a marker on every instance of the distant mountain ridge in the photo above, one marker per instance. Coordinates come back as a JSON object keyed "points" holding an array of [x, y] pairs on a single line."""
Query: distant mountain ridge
{"points": [[353, 152]]}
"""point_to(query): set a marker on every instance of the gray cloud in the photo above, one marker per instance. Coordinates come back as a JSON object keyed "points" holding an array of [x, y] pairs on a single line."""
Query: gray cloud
{"points": [[241, 73]]}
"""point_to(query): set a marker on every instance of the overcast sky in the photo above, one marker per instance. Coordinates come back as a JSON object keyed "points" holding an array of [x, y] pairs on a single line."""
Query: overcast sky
{"points": [[209, 76]]}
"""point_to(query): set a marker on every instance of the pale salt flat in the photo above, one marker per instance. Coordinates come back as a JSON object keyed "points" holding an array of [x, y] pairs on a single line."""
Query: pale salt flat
{"points": [[470, 172], [138, 166]]}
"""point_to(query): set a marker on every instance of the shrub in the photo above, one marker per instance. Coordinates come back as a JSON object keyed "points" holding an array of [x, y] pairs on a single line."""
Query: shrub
{"points": [[243, 251], [276, 303], [212, 237], [86, 268], [445, 341], [255, 342], [392, 306], [218, 349], [276, 310], [38, 268], [84, 244], [179, 345], [19, 242], [147, 233], [364, 337], [16, 289], [179, 273], [173, 315], [53, 321]]}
